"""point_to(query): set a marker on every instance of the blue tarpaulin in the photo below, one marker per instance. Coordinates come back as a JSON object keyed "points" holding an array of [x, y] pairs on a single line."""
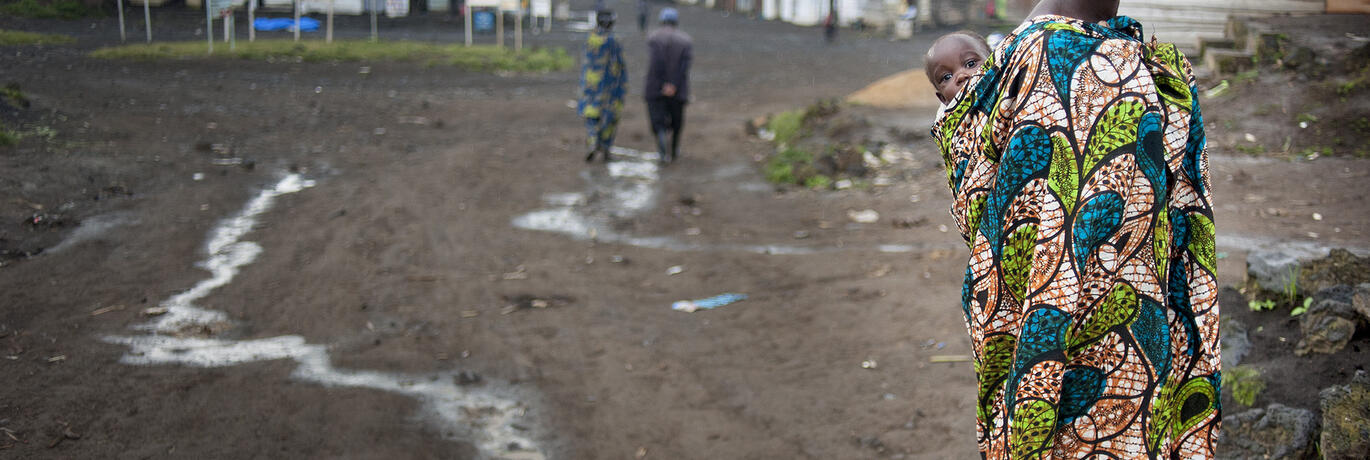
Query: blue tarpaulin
{"points": [[270, 24]]}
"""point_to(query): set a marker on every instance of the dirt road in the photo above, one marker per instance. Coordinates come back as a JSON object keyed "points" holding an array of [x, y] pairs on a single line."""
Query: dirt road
{"points": [[376, 285]]}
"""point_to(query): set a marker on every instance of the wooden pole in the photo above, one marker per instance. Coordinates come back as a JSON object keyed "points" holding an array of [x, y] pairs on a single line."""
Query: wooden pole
{"points": [[467, 14], [499, 26], [147, 19], [209, 26], [233, 32], [251, 20], [123, 37], [328, 35], [297, 20], [375, 36], [518, 28]]}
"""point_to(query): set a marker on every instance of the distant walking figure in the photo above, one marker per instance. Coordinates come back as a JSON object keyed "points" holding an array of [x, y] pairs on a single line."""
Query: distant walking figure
{"points": [[603, 83], [642, 11], [830, 27], [668, 82]]}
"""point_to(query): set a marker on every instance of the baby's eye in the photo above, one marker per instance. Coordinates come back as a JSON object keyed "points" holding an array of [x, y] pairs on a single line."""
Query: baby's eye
{"points": [[945, 77], [970, 63]]}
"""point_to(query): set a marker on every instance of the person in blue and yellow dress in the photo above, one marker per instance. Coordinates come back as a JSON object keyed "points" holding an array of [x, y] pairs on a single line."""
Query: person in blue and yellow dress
{"points": [[603, 83]]}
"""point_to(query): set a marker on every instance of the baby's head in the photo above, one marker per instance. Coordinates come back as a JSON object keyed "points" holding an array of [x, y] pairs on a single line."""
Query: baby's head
{"points": [[952, 60]]}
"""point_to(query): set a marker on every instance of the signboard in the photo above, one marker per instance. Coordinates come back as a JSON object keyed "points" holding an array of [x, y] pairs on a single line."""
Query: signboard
{"points": [[542, 8], [220, 7]]}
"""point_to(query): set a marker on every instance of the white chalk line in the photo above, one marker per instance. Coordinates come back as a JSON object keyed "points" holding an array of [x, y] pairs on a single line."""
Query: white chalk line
{"points": [[496, 426]]}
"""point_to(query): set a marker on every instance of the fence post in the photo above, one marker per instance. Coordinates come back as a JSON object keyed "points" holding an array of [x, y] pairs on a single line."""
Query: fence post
{"points": [[147, 19], [297, 20], [122, 36]]}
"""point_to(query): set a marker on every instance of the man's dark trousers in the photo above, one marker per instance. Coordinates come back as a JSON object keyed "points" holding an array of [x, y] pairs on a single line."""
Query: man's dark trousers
{"points": [[667, 115]]}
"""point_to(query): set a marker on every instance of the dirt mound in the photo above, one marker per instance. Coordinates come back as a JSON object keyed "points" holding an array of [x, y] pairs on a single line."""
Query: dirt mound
{"points": [[907, 89], [834, 144]]}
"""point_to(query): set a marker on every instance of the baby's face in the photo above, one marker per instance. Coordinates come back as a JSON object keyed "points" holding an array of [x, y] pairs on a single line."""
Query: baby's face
{"points": [[952, 61]]}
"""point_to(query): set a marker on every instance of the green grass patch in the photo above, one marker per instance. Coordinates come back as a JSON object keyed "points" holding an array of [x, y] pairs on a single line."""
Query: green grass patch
{"points": [[11, 95], [1245, 383], [1246, 77], [480, 58], [1351, 87], [788, 166], [818, 181], [1252, 150], [15, 37], [7, 137], [49, 9], [787, 126]]}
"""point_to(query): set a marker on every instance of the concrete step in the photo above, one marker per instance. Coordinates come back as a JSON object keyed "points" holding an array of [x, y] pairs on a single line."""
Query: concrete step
{"points": [[1256, 38], [1228, 61], [1208, 43]]}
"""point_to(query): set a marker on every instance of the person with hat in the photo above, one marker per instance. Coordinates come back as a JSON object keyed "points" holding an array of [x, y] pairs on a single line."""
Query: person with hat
{"points": [[667, 89], [603, 83]]}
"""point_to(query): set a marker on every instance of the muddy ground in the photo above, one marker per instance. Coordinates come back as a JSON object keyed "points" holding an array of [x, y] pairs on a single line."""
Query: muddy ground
{"points": [[402, 261]]}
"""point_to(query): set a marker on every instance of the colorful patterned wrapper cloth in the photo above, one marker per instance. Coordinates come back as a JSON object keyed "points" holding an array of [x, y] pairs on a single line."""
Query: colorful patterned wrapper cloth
{"points": [[1079, 177], [603, 83]]}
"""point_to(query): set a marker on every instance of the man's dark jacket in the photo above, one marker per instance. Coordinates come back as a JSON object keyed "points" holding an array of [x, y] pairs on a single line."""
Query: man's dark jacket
{"points": [[670, 51]]}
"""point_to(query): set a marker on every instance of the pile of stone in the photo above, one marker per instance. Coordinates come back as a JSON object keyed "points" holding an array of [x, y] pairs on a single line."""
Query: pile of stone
{"points": [[1339, 285]]}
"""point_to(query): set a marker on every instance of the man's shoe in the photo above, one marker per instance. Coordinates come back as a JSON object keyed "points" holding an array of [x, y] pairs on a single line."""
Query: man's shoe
{"points": [[661, 153]]}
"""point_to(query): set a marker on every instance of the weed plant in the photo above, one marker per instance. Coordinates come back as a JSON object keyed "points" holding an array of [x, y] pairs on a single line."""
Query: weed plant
{"points": [[787, 126], [7, 137], [1245, 383]]}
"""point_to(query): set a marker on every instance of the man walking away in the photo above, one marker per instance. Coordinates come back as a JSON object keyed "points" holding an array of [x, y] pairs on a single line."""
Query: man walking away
{"points": [[668, 82]]}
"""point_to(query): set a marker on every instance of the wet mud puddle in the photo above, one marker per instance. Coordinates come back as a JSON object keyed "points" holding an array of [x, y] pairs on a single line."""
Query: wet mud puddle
{"points": [[494, 422], [628, 188]]}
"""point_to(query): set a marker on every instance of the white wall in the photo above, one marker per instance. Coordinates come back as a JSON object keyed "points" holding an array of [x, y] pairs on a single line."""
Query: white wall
{"points": [[809, 12]]}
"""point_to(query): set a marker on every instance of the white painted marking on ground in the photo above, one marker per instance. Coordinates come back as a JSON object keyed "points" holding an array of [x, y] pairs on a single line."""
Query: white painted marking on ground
{"points": [[495, 427], [92, 228], [630, 188]]}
